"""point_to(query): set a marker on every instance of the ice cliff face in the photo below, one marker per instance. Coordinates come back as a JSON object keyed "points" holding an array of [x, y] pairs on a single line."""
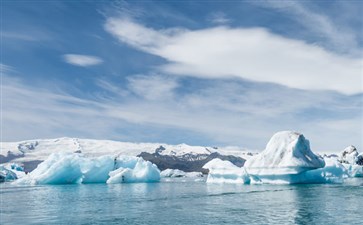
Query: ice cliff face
{"points": [[287, 152]]}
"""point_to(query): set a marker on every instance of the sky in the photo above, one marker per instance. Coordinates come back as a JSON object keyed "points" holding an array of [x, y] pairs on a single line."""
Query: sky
{"points": [[213, 73]]}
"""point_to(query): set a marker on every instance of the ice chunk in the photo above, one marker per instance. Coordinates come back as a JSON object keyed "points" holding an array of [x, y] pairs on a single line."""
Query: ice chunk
{"points": [[354, 170], [172, 173], [349, 155], [179, 173], [7, 174], [143, 171], [287, 152], [221, 171]]}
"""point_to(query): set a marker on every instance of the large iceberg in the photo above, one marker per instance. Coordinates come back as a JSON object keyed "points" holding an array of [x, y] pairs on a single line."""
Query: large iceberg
{"points": [[287, 159], [73, 168], [287, 152]]}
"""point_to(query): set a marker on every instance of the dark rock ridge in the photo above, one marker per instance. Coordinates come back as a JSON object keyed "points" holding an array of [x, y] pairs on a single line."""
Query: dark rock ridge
{"points": [[187, 162]]}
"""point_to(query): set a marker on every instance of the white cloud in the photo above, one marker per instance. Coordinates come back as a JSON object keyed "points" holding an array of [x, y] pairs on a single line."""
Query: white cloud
{"points": [[82, 60], [254, 54]]}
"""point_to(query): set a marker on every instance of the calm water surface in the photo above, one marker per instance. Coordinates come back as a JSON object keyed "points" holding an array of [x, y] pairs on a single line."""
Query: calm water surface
{"points": [[177, 202]]}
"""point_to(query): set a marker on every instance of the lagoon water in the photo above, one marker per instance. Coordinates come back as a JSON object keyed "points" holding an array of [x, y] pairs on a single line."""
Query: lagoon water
{"points": [[179, 201]]}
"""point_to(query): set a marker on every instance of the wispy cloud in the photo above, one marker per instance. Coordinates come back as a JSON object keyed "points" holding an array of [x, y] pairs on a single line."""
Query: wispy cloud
{"points": [[152, 87], [227, 112], [82, 60], [254, 54], [319, 24]]}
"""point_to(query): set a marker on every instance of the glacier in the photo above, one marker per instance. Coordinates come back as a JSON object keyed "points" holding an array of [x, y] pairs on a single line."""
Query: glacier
{"points": [[74, 168]]}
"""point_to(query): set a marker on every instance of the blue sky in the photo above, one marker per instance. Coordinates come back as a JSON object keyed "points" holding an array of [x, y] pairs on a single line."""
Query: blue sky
{"points": [[195, 72]]}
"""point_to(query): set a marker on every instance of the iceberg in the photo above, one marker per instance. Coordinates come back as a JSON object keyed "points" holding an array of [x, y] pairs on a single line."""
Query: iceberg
{"points": [[221, 171], [179, 173], [7, 174], [143, 171], [288, 159], [172, 173], [349, 155], [74, 168], [59, 168], [352, 161], [287, 152]]}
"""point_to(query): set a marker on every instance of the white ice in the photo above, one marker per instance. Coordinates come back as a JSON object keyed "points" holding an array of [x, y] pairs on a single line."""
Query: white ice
{"points": [[286, 160], [287, 152], [143, 171], [349, 155], [74, 168], [179, 173], [221, 171], [352, 161]]}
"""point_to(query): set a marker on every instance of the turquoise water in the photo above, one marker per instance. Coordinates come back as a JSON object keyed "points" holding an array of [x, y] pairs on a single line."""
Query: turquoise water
{"points": [[177, 202]]}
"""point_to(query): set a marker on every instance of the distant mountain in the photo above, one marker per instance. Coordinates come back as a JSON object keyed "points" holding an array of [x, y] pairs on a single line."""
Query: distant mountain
{"points": [[187, 162], [185, 157]]}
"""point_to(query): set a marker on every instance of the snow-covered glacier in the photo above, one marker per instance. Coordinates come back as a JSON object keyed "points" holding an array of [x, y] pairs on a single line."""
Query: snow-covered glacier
{"points": [[287, 159], [74, 168]]}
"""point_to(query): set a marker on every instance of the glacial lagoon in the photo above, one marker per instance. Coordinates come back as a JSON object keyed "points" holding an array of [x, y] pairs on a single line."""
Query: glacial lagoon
{"points": [[182, 201]]}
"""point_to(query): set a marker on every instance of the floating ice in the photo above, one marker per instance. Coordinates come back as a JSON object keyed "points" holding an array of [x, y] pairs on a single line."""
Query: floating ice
{"points": [[7, 174], [172, 173], [179, 173], [221, 171], [143, 171], [287, 152], [349, 155], [352, 161], [73, 168], [286, 160], [59, 168]]}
